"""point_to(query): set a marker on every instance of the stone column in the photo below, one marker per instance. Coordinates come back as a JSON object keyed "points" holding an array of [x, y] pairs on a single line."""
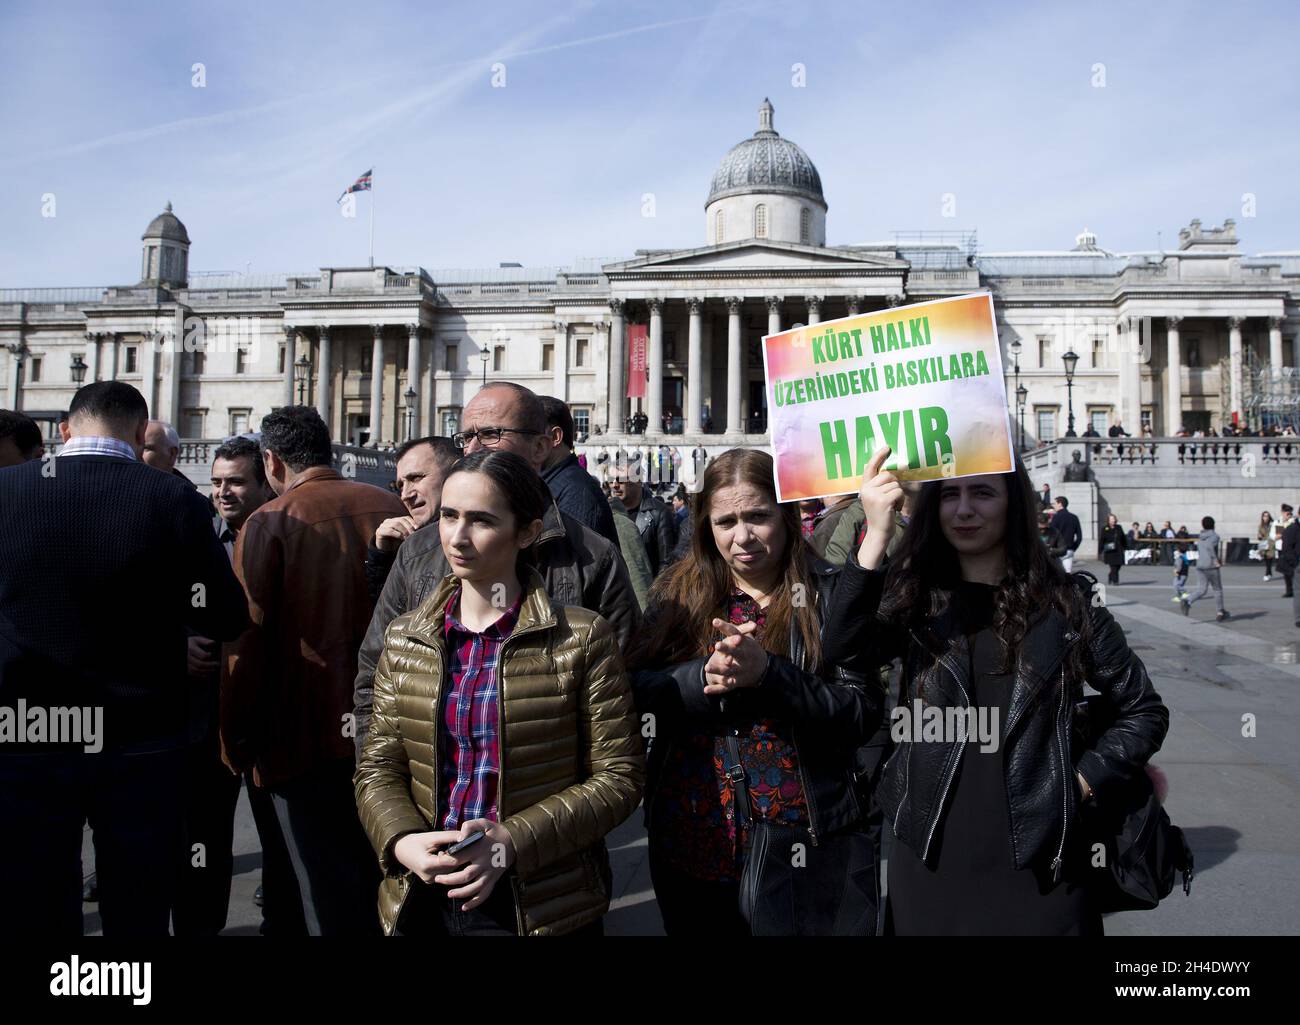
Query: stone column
{"points": [[92, 355], [1173, 378], [1275, 345], [1234, 361], [377, 385], [17, 353], [773, 314], [694, 375], [290, 354], [814, 309], [169, 389], [413, 373], [325, 379], [734, 355], [1133, 373], [706, 363], [617, 367], [149, 372], [114, 354], [655, 361], [560, 367]]}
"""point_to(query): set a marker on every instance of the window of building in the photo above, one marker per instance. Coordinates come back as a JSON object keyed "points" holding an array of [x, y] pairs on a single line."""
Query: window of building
{"points": [[760, 221], [132, 360], [1044, 350], [198, 362], [451, 360], [805, 225], [241, 361], [1148, 419], [450, 420], [670, 345], [719, 224], [1046, 420], [35, 374], [581, 420], [193, 423], [1099, 353], [1192, 355], [366, 356], [548, 356], [279, 361], [580, 352], [239, 421], [498, 358], [1098, 419]]}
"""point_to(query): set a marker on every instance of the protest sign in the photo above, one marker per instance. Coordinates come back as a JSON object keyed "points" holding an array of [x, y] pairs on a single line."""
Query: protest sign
{"points": [[925, 379]]}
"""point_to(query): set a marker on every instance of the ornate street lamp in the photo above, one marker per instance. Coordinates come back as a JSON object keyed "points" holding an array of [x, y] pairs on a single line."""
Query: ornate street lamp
{"points": [[410, 413], [484, 357], [1014, 349], [79, 369], [1071, 360], [301, 372], [1022, 393]]}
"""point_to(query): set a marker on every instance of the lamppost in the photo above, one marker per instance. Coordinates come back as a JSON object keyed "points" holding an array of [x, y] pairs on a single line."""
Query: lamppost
{"points": [[301, 372], [1014, 349], [410, 413], [1022, 393], [484, 357], [79, 369], [1071, 360]]}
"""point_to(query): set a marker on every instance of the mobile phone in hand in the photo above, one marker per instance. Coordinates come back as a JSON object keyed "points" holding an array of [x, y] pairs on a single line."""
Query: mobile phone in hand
{"points": [[456, 848]]}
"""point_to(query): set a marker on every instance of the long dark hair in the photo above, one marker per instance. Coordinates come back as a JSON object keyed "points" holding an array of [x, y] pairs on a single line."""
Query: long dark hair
{"points": [[689, 594], [925, 570], [514, 477]]}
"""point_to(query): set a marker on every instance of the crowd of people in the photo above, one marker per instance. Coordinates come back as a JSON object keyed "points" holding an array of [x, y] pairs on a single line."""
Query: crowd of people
{"points": [[442, 697]]}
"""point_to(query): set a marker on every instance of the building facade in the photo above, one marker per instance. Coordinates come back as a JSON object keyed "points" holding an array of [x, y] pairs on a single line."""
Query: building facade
{"points": [[1165, 339]]}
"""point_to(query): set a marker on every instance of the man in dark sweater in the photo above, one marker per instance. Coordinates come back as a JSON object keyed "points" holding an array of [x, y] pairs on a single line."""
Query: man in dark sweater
{"points": [[93, 713], [575, 490], [1068, 529]]}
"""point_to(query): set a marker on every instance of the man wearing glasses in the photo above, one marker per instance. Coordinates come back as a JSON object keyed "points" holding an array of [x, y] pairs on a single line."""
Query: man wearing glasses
{"points": [[578, 566]]}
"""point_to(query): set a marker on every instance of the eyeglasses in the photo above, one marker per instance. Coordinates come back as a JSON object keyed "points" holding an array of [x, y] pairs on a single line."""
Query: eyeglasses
{"points": [[488, 437]]}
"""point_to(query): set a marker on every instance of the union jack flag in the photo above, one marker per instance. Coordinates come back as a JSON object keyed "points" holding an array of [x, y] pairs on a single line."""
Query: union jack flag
{"points": [[362, 184]]}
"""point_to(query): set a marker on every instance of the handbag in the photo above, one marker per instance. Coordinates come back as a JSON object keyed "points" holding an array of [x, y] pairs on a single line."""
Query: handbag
{"points": [[790, 886], [1145, 852]]}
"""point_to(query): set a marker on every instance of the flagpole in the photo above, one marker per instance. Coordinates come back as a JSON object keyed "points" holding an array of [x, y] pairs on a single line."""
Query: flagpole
{"points": [[372, 219]]}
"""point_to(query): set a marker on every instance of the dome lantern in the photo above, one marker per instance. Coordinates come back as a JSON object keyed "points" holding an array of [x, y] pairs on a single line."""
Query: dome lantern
{"points": [[165, 256]]}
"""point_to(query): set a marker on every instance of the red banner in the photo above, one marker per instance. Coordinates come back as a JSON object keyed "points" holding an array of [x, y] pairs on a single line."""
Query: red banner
{"points": [[637, 344]]}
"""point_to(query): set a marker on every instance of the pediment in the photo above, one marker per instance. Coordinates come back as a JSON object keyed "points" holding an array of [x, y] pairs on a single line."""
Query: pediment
{"points": [[755, 254]]}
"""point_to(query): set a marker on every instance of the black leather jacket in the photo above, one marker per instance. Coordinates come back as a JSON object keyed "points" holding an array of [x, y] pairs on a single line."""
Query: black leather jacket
{"points": [[831, 712], [658, 529], [1042, 793]]}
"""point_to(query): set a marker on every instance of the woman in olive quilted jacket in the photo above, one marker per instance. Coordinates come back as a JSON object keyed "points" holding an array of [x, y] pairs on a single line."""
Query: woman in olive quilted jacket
{"points": [[503, 723]]}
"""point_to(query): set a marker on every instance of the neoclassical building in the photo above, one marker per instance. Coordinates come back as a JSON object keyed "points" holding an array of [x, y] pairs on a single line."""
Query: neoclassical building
{"points": [[1167, 338]]}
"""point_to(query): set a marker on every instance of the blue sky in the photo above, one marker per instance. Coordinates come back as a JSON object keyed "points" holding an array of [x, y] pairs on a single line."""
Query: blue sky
{"points": [[605, 102]]}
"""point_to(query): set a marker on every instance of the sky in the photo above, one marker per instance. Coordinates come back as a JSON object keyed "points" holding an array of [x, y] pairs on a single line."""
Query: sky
{"points": [[534, 132]]}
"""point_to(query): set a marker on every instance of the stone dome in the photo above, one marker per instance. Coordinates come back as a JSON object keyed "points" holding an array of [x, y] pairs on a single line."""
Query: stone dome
{"points": [[167, 225], [767, 163]]}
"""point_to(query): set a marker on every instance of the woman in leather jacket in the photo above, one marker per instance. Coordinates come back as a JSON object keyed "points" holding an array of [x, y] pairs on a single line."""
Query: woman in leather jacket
{"points": [[984, 785], [729, 665]]}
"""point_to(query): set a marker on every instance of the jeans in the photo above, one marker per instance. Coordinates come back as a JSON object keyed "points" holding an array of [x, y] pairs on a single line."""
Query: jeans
{"points": [[1209, 578], [1180, 584], [203, 889], [695, 907], [133, 802], [337, 871], [430, 912], [281, 903]]}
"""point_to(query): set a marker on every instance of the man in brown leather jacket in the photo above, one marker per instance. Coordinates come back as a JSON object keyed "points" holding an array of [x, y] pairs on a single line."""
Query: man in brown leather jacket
{"points": [[286, 698], [578, 566]]}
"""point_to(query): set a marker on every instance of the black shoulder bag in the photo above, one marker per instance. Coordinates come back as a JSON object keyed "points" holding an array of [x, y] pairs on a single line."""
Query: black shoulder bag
{"points": [[792, 887], [1145, 852]]}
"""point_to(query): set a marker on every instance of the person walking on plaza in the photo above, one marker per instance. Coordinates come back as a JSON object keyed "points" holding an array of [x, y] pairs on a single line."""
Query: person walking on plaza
{"points": [[1182, 565], [90, 542], [1286, 565], [579, 566], [986, 834], [755, 733], [286, 698], [1111, 545], [1290, 557], [1209, 569], [1268, 537], [574, 489], [503, 715], [422, 465], [1070, 530]]}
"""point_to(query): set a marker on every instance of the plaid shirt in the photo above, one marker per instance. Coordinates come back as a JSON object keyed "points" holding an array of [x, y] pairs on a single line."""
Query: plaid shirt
{"points": [[93, 446], [471, 751]]}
